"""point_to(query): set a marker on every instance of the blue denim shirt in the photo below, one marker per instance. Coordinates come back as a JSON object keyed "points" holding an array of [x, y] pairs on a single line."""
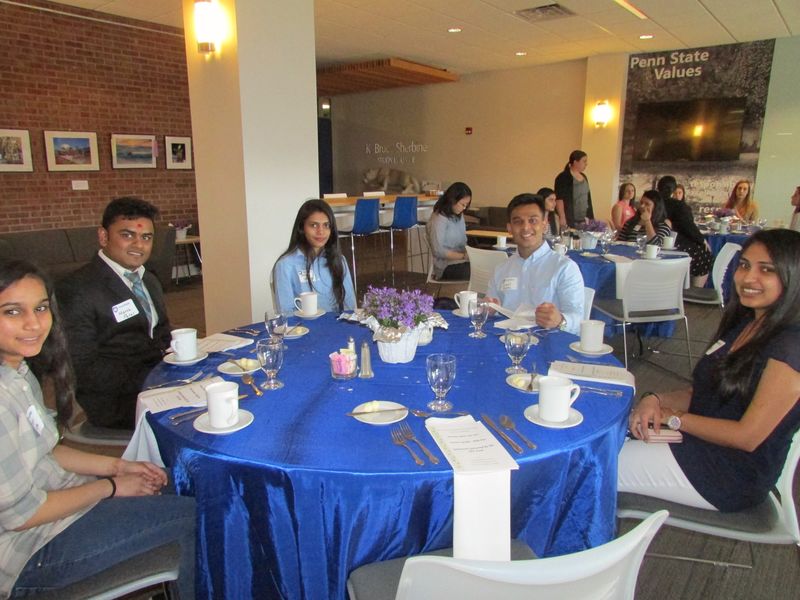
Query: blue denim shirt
{"points": [[291, 279]]}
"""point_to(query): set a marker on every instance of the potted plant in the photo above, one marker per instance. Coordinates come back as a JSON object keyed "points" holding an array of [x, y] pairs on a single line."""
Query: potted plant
{"points": [[398, 319], [182, 227]]}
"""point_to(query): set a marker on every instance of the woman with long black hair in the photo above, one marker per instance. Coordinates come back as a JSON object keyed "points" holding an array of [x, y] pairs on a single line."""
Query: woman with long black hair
{"points": [[740, 414], [66, 515], [573, 196], [650, 219], [313, 262], [447, 233]]}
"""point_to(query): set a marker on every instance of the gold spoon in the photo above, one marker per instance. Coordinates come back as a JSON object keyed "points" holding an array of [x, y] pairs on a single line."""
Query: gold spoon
{"points": [[247, 379]]}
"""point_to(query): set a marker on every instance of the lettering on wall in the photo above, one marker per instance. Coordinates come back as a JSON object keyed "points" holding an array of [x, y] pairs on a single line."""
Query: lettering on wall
{"points": [[399, 153], [674, 65]]}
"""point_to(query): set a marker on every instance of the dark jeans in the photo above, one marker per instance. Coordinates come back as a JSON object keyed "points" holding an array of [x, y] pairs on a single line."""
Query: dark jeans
{"points": [[114, 530], [456, 272]]}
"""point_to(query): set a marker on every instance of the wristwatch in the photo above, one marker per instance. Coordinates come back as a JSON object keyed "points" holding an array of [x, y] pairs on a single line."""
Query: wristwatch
{"points": [[674, 422], [563, 325]]}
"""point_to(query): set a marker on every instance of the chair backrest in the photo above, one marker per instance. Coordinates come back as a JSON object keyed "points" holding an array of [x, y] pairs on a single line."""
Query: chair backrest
{"points": [[655, 285], [608, 571], [405, 212], [588, 300], [721, 264], [482, 264], [367, 216], [785, 488]]}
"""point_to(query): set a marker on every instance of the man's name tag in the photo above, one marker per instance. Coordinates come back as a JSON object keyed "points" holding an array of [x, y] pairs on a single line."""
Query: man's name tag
{"points": [[509, 284], [124, 310], [35, 419], [715, 346]]}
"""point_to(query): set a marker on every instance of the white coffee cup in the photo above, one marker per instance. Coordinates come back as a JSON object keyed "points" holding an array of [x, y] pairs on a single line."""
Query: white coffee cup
{"points": [[306, 303], [651, 251], [560, 248], [184, 343], [223, 404], [501, 241], [592, 335], [462, 300], [556, 395], [668, 243]]}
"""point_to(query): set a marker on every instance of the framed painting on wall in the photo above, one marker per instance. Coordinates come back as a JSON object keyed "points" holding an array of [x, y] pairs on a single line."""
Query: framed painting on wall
{"points": [[15, 151], [130, 151], [71, 151], [178, 151]]}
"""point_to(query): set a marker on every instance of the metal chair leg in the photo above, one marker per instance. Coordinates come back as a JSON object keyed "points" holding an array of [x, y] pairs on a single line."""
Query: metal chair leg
{"points": [[625, 344], [353, 258], [391, 250], [688, 345]]}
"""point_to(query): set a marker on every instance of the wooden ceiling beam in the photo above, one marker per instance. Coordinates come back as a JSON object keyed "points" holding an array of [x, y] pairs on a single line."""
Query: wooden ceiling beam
{"points": [[377, 75]]}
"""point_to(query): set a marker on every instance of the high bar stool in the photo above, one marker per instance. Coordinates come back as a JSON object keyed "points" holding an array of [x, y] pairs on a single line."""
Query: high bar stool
{"points": [[365, 222], [405, 219]]}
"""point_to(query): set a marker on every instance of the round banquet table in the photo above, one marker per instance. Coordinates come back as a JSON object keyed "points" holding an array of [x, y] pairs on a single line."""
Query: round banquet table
{"points": [[289, 505]]}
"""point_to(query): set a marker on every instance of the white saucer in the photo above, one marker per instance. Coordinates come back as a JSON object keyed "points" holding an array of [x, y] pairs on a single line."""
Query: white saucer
{"points": [[298, 332], [532, 414], [316, 315], [381, 418], [201, 423], [457, 312], [231, 369], [534, 340], [605, 349], [520, 382], [171, 360]]}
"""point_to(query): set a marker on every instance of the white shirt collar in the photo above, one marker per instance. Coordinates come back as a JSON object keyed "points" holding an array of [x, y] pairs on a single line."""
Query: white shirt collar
{"points": [[118, 268]]}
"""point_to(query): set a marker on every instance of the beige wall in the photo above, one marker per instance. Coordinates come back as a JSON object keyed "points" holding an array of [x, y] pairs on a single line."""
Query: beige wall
{"points": [[525, 123]]}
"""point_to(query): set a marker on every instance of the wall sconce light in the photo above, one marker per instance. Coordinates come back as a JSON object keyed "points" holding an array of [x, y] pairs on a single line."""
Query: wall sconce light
{"points": [[601, 113], [205, 26]]}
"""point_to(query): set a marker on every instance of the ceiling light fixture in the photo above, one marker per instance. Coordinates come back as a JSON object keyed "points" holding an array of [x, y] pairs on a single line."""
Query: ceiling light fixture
{"points": [[646, 36], [454, 30], [631, 8], [601, 113]]}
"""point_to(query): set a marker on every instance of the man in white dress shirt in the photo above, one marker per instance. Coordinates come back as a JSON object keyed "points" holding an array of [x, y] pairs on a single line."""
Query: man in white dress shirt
{"points": [[536, 275]]}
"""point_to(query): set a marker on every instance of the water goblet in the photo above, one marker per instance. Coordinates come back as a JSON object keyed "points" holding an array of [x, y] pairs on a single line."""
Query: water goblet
{"points": [[276, 325], [604, 242], [478, 313], [270, 357], [441, 369], [641, 242], [517, 345]]}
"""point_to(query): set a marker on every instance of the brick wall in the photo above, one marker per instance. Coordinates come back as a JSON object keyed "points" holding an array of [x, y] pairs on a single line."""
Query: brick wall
{"points": [[63, 73]]}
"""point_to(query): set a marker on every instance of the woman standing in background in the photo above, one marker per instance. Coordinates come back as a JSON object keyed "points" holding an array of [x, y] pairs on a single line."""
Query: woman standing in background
{"points": [[573, 197]]}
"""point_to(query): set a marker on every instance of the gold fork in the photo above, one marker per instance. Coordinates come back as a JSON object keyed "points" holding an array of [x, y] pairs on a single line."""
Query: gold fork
{"points": [[409, 435], [398, 439]]}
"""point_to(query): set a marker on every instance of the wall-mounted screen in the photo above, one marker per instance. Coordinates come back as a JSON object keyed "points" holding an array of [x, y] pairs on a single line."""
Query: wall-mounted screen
{"points": [[706, 129]]}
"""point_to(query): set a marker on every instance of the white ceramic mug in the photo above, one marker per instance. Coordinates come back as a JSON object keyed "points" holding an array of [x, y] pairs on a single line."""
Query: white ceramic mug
{"points": [[592, 335], [560, 248], [223, 404], [306, 303], [184, 343], [651, 251], [462, 300], [588, 242], [668, 243], [556, 395], [501, 241]]}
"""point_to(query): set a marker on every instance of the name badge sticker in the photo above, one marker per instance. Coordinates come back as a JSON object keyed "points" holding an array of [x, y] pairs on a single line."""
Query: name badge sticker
{"points": [[510, 284], [35, 419], [124, 310], [302, 276], [715, 346]]}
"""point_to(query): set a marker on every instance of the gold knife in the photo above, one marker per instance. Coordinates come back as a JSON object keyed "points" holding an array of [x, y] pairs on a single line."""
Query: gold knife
{"points": [[514, 445], [372, 412]]}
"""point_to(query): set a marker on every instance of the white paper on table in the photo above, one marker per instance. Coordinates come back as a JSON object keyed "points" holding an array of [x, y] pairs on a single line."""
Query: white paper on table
{"points": [[222, 342], [523, 317], [481, 487], [593, 372]]}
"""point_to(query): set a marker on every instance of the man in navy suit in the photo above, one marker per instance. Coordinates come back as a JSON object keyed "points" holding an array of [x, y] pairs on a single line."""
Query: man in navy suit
{"points": [[115, 317]]}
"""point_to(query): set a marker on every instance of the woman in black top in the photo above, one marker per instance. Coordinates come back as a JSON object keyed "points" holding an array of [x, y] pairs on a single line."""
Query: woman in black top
{"points": [[573, 196]]}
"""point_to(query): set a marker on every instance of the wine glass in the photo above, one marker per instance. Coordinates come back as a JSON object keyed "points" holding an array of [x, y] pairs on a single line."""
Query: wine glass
{"points": [[478, 313], [276, 325], [641, 242], [605, 241], [270, 357], [441, 369], [517, 345]]}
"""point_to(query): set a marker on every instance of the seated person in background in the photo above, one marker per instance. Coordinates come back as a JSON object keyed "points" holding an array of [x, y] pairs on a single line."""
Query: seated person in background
{"points": [[536, 275], [447, 233], [66, 514], [680, 193], [115, 316], [741, 201], [650, 219], [742, 410], [623, 210], [313, 262], [551, 214], [795, 223]]}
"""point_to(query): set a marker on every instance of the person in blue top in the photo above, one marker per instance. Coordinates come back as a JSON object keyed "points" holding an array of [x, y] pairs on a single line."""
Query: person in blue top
{"points": [[313, 262], [740, 414]]}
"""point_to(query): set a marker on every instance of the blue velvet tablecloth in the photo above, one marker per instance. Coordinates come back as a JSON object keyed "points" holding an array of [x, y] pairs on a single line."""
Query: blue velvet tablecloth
{"points": [[288, 506]]}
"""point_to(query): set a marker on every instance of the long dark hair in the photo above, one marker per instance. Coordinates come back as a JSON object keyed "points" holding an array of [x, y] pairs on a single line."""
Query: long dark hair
{"points": [[659, 212], [330, 252], [622, 189], [545, 193], [444, 205], [736, 371], [53, 360]]}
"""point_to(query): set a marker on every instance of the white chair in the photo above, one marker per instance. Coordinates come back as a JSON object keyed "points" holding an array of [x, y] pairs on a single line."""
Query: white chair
{"points": [[608, 571], [714, 295], [482, 264], [774, 521], [653, 292], [92, 435], [440, 282], [588, 302]]}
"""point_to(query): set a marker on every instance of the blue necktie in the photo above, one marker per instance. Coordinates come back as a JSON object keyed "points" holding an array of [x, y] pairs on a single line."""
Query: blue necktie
{"points": [[141, 296]]}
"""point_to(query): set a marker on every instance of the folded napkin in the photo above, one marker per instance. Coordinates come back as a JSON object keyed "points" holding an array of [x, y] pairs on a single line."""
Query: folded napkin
{"points": [[222, 342], [481, 487], [331, 196], [374, 194]]}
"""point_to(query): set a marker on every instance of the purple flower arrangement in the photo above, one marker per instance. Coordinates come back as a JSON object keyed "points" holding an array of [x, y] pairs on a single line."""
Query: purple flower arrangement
{"points": [[724, 212], [592, 225], [395, 308]]}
